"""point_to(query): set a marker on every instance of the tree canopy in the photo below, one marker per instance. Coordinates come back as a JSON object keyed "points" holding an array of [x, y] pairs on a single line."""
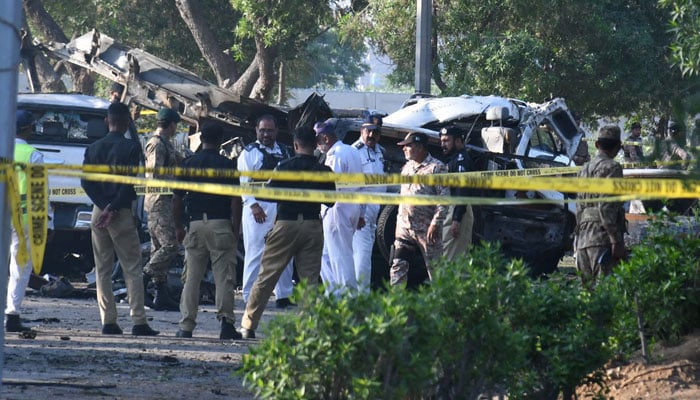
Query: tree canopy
{"points": [[605, 57]]}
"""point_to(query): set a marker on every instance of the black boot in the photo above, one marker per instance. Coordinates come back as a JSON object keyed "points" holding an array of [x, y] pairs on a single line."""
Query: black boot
{"points": [[13, 324], [163, 301], [228, 331]]}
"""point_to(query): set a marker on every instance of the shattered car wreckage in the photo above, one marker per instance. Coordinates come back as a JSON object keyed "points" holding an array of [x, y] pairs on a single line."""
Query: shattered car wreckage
{"points": [[503, 133]]}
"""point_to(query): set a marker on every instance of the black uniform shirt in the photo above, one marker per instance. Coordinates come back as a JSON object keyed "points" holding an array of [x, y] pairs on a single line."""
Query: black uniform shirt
{"points": [[460, 162], [113, 149], [289, 210], [196, 203]]}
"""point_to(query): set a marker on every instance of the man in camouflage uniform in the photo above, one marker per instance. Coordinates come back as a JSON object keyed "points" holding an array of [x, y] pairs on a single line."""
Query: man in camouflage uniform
{"points": [[600, 225], [633, 148], [418, 226], [673, 147], [160, 152]]}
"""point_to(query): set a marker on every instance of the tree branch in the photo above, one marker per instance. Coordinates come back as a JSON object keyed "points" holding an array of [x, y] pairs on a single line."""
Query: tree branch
{"points": [[223, 65]]}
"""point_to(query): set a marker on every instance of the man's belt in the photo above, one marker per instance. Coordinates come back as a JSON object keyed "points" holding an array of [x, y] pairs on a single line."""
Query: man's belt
{"points": [[199, 216], [298, 217]]}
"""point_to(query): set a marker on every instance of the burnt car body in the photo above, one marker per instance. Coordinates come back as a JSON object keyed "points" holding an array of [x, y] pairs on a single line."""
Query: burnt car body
{"points": [[503, 133]]}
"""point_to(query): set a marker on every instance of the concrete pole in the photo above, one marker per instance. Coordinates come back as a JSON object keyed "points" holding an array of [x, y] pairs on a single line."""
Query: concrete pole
{"points": [[10, 24], [424, 18]]}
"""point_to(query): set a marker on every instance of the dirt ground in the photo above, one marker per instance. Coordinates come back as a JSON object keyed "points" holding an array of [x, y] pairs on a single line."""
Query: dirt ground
{"points": [[70, 359]]}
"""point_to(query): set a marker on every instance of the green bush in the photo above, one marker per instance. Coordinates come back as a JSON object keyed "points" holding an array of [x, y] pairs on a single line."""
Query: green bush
{"points": [[482, 326], [663, 271]]}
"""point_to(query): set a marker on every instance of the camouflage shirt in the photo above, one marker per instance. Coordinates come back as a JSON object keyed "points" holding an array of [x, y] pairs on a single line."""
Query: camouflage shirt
{"points": [[599, 223], [160, 152], [633, 149], [419, 218]]}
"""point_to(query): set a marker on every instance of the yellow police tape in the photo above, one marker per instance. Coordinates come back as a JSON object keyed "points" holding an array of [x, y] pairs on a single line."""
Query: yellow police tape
{"points": [[37, 212], [617, 189], [323, 196]]}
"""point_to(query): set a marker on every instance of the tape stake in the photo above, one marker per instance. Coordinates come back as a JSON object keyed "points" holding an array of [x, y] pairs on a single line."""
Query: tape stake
{"points": [[38, 213]]}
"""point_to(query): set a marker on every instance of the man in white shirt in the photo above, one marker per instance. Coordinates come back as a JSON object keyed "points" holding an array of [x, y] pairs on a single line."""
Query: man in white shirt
{"points": [[372, 155], [341, 220], [259, 216]]}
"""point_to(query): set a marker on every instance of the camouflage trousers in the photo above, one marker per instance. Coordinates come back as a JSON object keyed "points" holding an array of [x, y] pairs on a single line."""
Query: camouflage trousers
{"points": [[588, 263], [164, 245], [407, 241]]}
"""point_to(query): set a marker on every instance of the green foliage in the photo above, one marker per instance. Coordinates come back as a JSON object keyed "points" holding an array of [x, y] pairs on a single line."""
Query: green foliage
{"points": [[328, 62], [685, 26], [664, 273], [359, 347], [481, 326], [605, 57]]}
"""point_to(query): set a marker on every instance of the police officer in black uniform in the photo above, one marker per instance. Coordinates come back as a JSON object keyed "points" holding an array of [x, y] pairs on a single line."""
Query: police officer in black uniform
{"points": [[214, 222], [457, 229], [298, 233]]}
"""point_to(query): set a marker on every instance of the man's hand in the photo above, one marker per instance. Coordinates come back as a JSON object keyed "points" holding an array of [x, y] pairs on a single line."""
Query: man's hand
{"points": [[433, 234], [361, 223], [180, 233], [454, 229], [105, 219], [258, 213]]}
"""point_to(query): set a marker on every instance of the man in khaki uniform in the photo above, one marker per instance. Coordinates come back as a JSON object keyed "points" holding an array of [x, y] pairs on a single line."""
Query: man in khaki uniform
{"points": [[114, 227], [160, 153], [600, 225]]}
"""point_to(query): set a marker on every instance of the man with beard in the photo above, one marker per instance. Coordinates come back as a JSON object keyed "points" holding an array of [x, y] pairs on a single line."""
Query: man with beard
{"points": [[258, 215]]}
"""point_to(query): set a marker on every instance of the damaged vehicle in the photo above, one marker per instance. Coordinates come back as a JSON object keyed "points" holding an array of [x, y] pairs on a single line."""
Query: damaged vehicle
{"points": [[501, 134]]}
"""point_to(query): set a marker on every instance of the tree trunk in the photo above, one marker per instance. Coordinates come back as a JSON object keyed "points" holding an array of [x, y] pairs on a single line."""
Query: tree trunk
{"points": [[83, 80], [222, 64], [281, 85], [266, 65], [40, 74], [244, 84]]}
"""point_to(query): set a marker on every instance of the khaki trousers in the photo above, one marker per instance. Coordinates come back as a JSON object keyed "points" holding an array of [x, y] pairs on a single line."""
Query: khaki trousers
{"points": [[119, 237], [301, 239], [455, 246], [206, 240]]}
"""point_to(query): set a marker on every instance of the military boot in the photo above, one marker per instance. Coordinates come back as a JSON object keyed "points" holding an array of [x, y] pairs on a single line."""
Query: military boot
{"points": [[228, 331], [163, 301], [14, 324]]}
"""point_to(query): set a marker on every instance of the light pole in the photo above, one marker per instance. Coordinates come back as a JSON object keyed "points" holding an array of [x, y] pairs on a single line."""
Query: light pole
{"points": [[424, 16]]}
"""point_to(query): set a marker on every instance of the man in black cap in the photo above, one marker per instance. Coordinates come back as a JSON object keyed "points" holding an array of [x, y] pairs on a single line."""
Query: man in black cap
{"points": [[372, 155], [600, 225], [297, 233], [18, 278], [418, 227], [214, 222], [160, 153], [457, 228], [113, 225]]}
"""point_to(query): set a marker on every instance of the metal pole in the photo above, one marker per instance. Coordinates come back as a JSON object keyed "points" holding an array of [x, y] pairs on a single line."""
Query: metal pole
{"points": [[10, 24], [424, 16]]}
